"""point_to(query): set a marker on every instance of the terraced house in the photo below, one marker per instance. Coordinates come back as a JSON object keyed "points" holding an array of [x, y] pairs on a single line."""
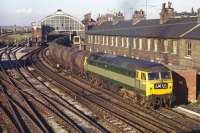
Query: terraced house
{"points": [[172, 39]]}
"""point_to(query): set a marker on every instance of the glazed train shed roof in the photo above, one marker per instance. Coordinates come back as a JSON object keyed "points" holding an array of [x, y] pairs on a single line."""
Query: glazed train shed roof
{"points": [[174, 28]]}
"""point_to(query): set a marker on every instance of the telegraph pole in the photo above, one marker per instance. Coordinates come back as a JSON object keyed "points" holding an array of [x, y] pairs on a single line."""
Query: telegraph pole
{"points": [[146, 9]]}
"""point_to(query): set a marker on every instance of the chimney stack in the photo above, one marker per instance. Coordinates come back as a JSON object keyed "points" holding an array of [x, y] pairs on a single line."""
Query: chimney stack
{"points": [[138, 16], [166, 13], [118, 17], [0, 30], [104, 18], [88, 17]]}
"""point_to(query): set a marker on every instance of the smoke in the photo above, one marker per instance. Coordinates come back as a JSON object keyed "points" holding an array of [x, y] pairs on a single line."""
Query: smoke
{"points": [[129, 6], [135, 4]]}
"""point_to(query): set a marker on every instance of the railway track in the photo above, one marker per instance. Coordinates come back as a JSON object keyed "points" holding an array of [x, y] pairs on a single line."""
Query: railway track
{"points": [[57, 107], [176, 122], [21, 115], [123, 121], [34, 116], [38, 95], [139, 120]]}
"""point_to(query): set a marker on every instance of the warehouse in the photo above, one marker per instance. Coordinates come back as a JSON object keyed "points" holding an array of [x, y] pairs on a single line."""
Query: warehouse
{"points": [[171, 40]]}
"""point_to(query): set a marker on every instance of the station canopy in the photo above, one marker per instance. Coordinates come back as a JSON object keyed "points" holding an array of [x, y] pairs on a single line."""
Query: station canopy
{"points": [[61, 22]]}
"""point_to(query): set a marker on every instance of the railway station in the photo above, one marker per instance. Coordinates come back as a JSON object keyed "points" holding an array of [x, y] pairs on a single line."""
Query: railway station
{"points": [[56, 23], [127, 71]]}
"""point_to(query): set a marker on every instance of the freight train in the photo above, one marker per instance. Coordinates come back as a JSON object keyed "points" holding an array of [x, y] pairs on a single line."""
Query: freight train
{"points": [[148, 83]]}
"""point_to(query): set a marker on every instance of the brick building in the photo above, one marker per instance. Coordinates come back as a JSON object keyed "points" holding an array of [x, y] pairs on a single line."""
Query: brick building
{"points": [[88, 21], [36, 32], [171, 40]]}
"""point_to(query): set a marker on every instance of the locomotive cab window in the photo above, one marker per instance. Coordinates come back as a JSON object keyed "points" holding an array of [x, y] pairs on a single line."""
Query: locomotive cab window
{"points": [[166, 75], [153, 76]]}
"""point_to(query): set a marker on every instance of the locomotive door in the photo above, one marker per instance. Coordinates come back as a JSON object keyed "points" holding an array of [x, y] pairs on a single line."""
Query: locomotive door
{"points": [[143, 81]]}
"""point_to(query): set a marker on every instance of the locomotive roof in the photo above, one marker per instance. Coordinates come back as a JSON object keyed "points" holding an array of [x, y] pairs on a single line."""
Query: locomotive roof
{"points": [[127, 63]]}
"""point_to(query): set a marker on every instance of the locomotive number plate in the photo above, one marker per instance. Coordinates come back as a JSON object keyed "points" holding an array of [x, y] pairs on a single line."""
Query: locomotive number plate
{"points": [[161, 86]]}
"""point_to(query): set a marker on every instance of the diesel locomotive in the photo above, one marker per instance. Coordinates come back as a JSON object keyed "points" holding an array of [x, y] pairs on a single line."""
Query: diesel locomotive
{"points": [[149, 83]]}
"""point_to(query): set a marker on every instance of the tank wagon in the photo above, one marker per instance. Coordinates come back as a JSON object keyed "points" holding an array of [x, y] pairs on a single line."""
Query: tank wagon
{"points": [[148, 83]]}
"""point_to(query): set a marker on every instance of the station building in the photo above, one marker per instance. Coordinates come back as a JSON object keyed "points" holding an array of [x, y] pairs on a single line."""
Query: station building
{"points": [[59, 22], [173, 40]]}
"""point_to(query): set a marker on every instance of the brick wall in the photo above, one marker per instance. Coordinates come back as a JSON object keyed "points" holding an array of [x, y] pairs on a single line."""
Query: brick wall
{"points": [[36, 34], [194, 60], [185, 85]]}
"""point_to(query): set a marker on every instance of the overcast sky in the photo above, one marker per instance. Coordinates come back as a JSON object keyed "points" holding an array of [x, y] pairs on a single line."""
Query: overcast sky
{"points": [[23, 12]]}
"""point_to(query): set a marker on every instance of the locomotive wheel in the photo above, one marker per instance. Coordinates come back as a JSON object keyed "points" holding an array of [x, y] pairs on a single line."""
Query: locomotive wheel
{"points": [[158, 102], [169, 100]]}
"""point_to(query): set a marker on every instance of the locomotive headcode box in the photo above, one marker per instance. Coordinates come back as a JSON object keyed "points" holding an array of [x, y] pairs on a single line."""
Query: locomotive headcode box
{"points": [[161, 86]]}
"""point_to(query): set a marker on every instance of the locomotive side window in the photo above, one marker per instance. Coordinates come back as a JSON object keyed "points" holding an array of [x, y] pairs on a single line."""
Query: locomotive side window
{"points": [[76, 39], [143, 76], [137, 75], [165, 75], [153, 76]]}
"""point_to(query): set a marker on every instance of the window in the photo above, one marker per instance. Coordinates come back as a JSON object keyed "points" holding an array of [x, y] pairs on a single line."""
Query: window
{"points": [[165, 75], [175, 43], [99, 41], [134, 43], [153, 76], [116, 41], [143, 76], [165, 46], [95, 39], [156, 45], [149, 44], [88, 38], [122, 41], [189, 49], [137, 74], [91, 39], [107, 38], [112, 41], [103, 40], [140, 44], [127, 42]]}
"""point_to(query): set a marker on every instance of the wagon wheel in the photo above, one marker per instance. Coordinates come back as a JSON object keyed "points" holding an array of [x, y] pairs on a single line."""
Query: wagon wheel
{"points": [[142, 101], [100, 84], [124, 94], [147, 104]]}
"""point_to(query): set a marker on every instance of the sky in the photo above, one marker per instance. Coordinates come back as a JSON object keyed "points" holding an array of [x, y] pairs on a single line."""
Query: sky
{"points": [[23, 12]]}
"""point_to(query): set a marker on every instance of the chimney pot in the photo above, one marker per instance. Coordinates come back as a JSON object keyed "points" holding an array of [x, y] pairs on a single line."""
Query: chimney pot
{"points": [[169, 4], [138, 16], [163, 5]]}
